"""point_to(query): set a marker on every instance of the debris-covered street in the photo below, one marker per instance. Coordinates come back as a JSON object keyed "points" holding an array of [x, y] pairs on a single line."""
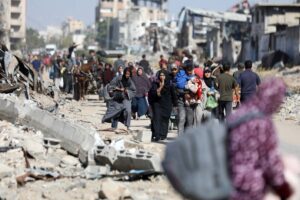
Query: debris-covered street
{"points": [[34, 166], [149, 100]]}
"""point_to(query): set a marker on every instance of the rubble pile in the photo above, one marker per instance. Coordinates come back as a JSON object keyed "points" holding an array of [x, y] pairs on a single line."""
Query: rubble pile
{"points": [[45, 155], [291, 108]]}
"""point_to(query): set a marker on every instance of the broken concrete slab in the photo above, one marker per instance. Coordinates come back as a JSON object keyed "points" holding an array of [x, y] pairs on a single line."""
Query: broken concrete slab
{"points": [[76, 139], [95, 172], [127, 160], [33, 147], [52, 143]]}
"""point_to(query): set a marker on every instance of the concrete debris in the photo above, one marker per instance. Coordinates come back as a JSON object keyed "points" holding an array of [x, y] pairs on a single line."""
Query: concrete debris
{"points": [[96, 172], [52, 143], [113, 190], [291, 108], [126, 160], [76, 139], [297, 71], [70, 160], [34, 147], [37, 174]]}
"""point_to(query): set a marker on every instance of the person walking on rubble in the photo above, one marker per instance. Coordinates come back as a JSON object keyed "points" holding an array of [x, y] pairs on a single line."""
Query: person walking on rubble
{"points": [[211, 90], [122, 90], [118, 63], [248, 81], [241, 68], [162, 98], [139, 102], [107, 74], [182, 77], [254, 162], [226, 85], [144, 63], [71, 54]]}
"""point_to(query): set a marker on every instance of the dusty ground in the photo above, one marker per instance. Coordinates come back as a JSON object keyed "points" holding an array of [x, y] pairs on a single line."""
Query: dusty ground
{"points": [[89, 114]]}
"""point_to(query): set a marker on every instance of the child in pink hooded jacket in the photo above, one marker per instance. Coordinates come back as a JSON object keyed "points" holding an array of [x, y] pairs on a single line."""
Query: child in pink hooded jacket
{"points": [[255, 164]]}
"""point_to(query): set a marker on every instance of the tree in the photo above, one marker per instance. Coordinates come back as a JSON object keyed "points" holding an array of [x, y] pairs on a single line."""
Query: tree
{"points": [[33, 39]]}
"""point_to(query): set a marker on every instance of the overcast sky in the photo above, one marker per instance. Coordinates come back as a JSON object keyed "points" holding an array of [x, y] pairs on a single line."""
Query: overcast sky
{"points": [[41, 13]]}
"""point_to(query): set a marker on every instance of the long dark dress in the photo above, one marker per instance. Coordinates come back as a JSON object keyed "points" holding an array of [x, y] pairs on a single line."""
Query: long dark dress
{"points": [[120, 111], [161, 107]]}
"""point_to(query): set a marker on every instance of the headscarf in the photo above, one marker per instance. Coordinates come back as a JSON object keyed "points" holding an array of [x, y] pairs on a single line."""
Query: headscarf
{"points": [[142, 83], [167, 75], [209, 82], [125, 81]]}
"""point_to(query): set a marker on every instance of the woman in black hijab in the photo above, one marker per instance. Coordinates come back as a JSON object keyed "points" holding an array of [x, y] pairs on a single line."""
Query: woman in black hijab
{"points": [[123, 90], [211, 88], [162, 98]]}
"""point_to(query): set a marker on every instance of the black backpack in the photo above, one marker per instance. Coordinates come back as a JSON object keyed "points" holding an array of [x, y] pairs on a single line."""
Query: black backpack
{"points": [[196, 163]]}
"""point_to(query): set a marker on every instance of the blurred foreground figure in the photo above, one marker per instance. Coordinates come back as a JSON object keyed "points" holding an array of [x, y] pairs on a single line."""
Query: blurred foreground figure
{"points": [[254, 160]]}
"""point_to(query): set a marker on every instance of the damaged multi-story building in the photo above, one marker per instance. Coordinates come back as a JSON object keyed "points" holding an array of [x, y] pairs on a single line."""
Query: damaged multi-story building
{"points": [[13, 22], [274, 27], [216, 35], [137, 25]]}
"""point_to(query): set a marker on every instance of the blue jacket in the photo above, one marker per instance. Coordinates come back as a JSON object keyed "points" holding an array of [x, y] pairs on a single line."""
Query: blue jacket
{"points": [[181, 79]]}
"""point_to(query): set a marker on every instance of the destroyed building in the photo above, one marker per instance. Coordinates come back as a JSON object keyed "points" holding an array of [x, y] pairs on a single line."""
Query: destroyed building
{"points": [[214, 34], [274, 27], [12, 23], [137, 25]]}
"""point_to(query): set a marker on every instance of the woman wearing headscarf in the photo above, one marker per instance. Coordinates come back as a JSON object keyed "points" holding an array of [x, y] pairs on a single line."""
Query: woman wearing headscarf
{"points": [[122, 90], [107, 74], [255, 164], [162, 98], [210, 90], [143, 85]]}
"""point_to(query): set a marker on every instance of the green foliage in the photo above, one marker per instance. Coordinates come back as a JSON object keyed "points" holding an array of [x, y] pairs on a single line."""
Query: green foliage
{"points": [[33, 39]]}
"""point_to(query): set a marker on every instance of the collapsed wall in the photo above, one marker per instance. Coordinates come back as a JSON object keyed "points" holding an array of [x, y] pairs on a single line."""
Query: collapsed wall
{"points": [[75, 139]]}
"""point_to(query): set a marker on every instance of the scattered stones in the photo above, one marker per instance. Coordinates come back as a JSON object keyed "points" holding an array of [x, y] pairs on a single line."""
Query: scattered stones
{"points": [[113, 190], [70, 160], [34, 147], [290, 110]]}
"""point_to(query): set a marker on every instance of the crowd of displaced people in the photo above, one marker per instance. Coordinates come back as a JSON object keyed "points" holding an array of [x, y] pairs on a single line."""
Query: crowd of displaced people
{"points": [[197, 93], [192, 93], [180, 87]]}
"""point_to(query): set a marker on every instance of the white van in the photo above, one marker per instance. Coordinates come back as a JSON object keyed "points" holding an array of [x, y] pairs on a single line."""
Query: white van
{"points": [[51, 49]]}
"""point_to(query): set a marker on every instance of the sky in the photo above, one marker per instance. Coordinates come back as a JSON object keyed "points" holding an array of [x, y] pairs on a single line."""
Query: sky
{"points": [[43, 13]]}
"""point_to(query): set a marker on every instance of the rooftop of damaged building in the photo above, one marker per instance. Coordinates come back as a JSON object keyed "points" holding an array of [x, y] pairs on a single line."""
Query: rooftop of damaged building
{"points": [[282, 5]]}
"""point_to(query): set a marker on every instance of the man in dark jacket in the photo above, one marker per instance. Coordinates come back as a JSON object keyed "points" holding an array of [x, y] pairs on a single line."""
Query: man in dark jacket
{"points": [[248, 81], [145, 65]]}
